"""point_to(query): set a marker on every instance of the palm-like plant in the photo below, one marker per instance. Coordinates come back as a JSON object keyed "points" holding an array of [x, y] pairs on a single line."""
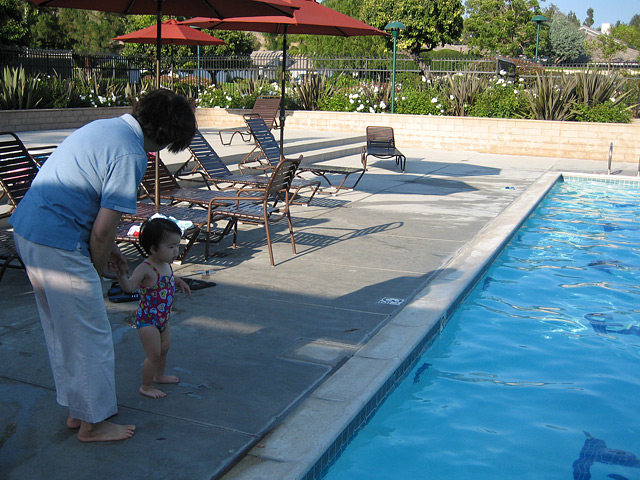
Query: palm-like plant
{"points": [[596, 87], [552, 98], [311, 89], [463, 90], [18, 92]]}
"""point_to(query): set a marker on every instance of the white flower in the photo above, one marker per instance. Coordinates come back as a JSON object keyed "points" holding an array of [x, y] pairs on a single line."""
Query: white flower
{"points": [[515, 90], [424, 79], [360, 107], [438, 106], [228, 98], [351, 101], [371, 110], [451, 97], [503, 73], [404, 98], [613, 99], [382, 104], [434, 100], [521, 79]]}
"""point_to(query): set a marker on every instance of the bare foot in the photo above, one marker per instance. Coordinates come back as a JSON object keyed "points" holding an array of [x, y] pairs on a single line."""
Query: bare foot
{"points": [[73, 423], [152, 392], [166, 379], [104, 432]]}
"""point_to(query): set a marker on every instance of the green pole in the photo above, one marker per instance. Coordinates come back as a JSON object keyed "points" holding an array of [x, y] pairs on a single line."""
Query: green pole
{"points": [[394, 28], [393, 72], [537, 40], [538, 19]]}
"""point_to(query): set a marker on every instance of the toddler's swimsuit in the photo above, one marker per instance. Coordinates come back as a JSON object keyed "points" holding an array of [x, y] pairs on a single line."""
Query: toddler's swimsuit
{"points": [[156, 302]]}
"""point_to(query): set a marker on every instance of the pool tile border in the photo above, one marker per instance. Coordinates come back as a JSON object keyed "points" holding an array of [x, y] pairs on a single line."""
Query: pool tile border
{"points": [[314, 435]]}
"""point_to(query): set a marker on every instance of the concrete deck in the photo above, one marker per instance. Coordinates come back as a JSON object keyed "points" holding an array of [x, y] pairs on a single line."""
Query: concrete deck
{"points": [[251, 351]]}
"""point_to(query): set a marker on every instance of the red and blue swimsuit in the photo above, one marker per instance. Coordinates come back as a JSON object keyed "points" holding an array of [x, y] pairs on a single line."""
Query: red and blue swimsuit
{"points": [[156, 302]]}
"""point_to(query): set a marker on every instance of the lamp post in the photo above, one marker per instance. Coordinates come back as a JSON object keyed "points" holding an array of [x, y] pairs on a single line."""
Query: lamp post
{"points": [[394, 28], [538, 19]]}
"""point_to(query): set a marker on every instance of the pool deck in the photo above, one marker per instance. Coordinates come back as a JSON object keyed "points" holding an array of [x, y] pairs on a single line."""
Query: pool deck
{"points": [[275, 362]]}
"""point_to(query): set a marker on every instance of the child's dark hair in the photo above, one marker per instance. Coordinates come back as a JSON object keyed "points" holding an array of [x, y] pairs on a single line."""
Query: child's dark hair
{"points": [[155, 231], [166, 118]]}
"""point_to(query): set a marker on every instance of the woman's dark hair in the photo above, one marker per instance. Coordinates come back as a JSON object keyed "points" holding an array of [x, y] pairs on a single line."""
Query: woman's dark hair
{"points": [[166, 118], [154, 231]]}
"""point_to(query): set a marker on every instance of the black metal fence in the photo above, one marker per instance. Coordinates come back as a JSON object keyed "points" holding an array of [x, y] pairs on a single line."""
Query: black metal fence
{"points": [[267, 65]]}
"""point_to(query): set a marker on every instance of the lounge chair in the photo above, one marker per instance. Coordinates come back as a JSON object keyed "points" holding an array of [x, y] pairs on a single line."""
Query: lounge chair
{"points": [[17, 170], [210, 167], [171, 190], [273, 206], [41, 154], [8, 252], [266, 155], [381, 144], [198, 217], [264, 106]]}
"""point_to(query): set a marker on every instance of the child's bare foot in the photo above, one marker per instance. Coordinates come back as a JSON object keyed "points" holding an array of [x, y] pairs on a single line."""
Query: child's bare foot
{"points": [[73, 423], [166, 379], [152, 392], [104, 432]]}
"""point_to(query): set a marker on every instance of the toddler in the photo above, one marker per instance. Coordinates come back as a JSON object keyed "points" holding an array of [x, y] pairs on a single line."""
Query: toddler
{"points": [[160, 238]]}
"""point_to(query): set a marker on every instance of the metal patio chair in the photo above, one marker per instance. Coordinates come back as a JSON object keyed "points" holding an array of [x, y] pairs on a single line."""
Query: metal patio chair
{"points": [[266, 107], [266, 155], [274, 204], [381, 144]]}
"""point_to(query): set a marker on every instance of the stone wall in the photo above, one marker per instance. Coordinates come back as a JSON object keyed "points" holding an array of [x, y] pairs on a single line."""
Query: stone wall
{"points": [[54, 118], [580, 140], [589, 141]]}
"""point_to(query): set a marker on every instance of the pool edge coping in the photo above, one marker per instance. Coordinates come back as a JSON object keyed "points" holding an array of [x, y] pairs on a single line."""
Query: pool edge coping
{"points": [[305, 442]]}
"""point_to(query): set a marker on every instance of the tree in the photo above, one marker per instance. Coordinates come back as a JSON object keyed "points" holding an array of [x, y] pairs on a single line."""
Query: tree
{"points": [[13, 27], [605, 46], [573, 18], [429, 23], [628, 34], [330, 46], [502, 26], [566, 40], [588, 22]]}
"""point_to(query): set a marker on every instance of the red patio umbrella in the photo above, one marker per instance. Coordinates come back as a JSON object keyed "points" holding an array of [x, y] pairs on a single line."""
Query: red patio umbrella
{"points": [[310, 18], [220, 8], [172, 33], [186, 8]]}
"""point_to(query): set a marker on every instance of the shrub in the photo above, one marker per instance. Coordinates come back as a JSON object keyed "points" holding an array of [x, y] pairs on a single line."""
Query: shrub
{"points": [[426, 102], [364, 97], [501, 99], [607, 112], [214, 96]]}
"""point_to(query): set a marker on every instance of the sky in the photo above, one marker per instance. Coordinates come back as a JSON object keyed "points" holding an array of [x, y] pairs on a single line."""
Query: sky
{"points": [[604, 11]]}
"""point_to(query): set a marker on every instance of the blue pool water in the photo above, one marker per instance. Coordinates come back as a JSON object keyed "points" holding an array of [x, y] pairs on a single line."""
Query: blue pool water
{"points": [[537, 373]]}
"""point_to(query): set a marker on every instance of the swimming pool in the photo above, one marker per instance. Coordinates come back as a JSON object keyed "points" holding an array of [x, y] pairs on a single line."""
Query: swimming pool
{"points": [[535, 374]]}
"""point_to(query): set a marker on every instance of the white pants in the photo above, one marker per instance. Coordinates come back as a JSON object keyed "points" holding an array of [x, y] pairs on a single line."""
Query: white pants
{"points": [[76, 328]]}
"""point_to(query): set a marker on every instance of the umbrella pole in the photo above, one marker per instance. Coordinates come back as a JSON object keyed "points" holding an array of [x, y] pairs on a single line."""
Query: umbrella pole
{"points": [[282, 90], [158, 54]]}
